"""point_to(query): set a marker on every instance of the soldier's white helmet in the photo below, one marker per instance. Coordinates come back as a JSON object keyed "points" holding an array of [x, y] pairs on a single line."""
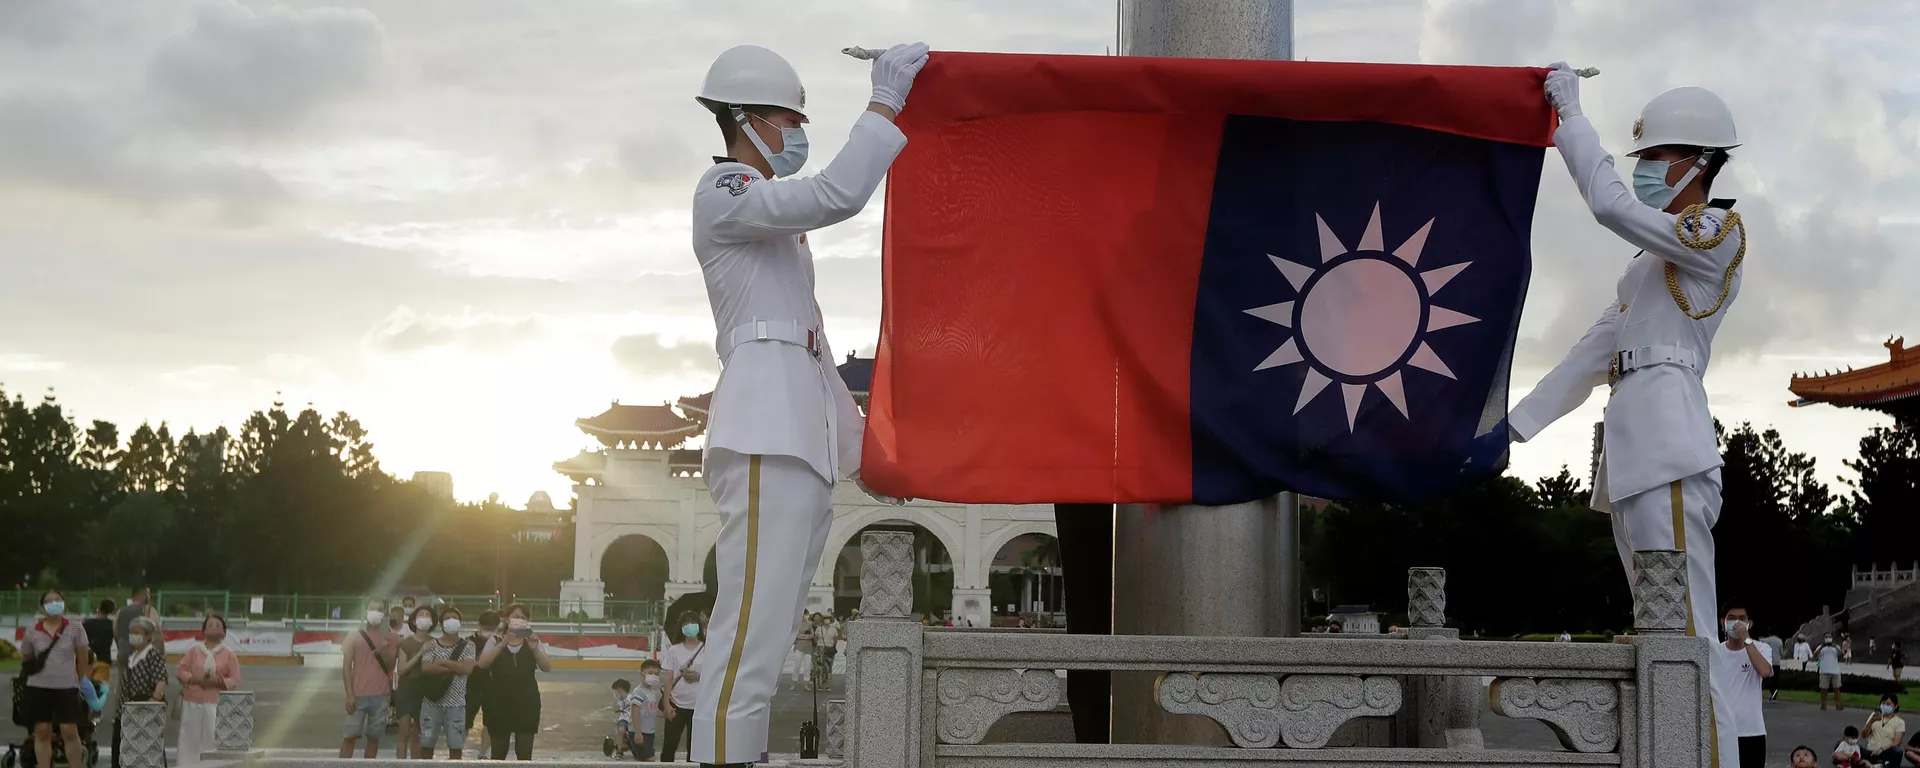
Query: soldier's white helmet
{"points": [[749, 74], [1688, 116]]}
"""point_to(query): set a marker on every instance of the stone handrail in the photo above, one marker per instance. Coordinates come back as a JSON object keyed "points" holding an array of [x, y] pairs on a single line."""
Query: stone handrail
{"points": [[1893, 576], [920, 697]]}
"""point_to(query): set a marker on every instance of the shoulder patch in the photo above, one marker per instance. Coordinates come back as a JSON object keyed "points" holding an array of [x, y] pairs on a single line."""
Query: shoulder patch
{"points": [[734, 183]]}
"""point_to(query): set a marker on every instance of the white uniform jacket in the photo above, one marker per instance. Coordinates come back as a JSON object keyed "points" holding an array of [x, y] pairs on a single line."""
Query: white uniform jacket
{"points": [[1658, 428], [779, 391]]}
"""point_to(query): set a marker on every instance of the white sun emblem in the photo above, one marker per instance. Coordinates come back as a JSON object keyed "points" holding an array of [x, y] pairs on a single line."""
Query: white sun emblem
{"points": [[1361, 314]]}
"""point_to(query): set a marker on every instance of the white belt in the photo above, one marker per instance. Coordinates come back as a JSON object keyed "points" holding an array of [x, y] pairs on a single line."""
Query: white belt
{"points": [[1630, 360], [783, 331]]}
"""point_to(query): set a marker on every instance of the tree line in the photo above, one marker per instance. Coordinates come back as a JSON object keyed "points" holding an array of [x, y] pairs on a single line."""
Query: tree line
{"points": [[289, 503], [297, 503], [1533, 558]]}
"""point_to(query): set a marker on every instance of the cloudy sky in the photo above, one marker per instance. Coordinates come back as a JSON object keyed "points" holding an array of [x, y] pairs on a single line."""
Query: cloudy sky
{"points": [[465, 221]]}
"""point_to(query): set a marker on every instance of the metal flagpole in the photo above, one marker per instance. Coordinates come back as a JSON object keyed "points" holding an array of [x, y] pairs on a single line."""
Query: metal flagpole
{"points": [[1193, 570]]}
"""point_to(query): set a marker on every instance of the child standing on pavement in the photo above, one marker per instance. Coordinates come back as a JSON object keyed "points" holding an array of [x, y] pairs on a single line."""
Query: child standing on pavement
{"points": [[638, 714]]}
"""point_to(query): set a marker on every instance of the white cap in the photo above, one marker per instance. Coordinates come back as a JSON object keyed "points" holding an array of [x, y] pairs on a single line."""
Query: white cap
{"points": [[747, 75], [1688, 116]]}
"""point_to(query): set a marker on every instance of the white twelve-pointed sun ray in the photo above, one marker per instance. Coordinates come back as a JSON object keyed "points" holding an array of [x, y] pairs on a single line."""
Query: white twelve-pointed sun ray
{"points": [[1330, 245], [1441, 317], [1396, 394], [1371, 240], [1315, 382], [1437, 278], [1362, 312]]}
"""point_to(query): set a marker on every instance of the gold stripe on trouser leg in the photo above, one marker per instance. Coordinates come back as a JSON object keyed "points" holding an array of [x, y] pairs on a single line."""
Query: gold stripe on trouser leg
{"points": [[1679, 503], [746, 611]]}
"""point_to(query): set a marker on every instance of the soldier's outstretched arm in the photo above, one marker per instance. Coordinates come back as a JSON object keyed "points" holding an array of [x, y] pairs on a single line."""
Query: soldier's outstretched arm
{"points": [[1569, 384], [1615, 207], [757, 209]]}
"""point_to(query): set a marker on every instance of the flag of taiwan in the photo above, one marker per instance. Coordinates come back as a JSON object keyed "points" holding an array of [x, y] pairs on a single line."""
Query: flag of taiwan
{"points": [[1195, 281]]}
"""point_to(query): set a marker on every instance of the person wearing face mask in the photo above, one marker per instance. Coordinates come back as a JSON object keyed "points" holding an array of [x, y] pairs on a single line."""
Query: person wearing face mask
{"points": [[366, 671], [1831, 671], [206, 669], [143, 671], [1738, 667], [1881, 739], [513, 706], [445, 665], [1659, 470], [783, 428], [53, 655], [680, 665], [406, 688]]}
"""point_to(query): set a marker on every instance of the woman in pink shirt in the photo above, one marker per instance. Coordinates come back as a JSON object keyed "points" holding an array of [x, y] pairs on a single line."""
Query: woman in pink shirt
{"points": [[206, 669]]}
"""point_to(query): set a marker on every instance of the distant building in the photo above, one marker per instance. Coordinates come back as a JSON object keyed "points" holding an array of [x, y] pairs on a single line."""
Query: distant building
{"points": [[541, 521], [1356, 619], [640, 481], [1892, 387], [439, 483]]}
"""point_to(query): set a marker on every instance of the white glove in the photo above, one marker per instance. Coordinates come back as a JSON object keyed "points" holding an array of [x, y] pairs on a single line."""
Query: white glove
{"points": [[879, 497], [1563, 90], [894, 71]]}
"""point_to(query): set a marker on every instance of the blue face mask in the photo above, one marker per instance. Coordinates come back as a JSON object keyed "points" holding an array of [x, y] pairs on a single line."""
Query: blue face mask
{"points": [[1650, 182], [1886, 709], [55, 608], [690, 630], [793, 148]]}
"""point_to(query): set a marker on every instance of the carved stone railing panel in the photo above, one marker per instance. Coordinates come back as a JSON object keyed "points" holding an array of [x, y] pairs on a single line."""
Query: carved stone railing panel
{"points": [[143, 734], [233, 722], [1584, 714], [886, 575], [836, 733], [1427, 597], [1312, 707], [1246, 705], [971, 700], [1659, 591]]}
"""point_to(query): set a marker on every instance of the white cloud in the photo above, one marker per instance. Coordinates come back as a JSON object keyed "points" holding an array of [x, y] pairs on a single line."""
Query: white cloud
{"points": [[237, 68]]}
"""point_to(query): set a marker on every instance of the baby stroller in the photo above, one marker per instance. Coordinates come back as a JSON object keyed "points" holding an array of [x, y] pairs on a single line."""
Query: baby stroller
{"points": [[21, 755]]}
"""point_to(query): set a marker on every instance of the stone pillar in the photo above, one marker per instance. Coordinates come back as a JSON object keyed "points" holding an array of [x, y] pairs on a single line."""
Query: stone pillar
{"points": [[884, 707], [1672, 686], [973, 604], [820, 598], [835, 734], [1438, 712], [588, 596], [233, 722], [1191, 570], [143, 734]]}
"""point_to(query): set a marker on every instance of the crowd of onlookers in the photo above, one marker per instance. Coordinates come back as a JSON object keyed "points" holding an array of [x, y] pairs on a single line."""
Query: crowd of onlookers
{"points": [[74, 673], [412, 667]]}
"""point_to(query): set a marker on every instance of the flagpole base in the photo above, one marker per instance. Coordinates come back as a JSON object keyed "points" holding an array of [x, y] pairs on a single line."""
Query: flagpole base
{"points": [[1198, 571]]}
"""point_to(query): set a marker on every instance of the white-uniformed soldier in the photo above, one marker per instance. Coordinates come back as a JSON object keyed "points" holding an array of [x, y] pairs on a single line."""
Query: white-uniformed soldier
{"points": [[783, 428], [1659, 474]]}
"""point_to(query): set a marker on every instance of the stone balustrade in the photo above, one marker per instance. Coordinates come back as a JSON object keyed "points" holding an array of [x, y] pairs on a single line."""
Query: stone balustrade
{"points": [[144, 724], [1888, 578], [922, 697]]}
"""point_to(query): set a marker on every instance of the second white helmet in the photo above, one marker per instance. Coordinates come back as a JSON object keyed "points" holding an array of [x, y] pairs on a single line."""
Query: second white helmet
{"points": [[749, 74], [1685, 116]]}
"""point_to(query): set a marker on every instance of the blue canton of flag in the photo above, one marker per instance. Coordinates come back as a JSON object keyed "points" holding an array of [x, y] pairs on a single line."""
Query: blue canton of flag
{"points": [[1359, 297]]}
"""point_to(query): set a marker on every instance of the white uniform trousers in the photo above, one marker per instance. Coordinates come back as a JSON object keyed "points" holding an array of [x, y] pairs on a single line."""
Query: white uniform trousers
{"points": [[775, 513], [1680, 516]]}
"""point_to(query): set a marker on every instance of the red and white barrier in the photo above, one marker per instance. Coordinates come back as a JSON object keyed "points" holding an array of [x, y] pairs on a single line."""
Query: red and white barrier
{"points": [[287, 642]]}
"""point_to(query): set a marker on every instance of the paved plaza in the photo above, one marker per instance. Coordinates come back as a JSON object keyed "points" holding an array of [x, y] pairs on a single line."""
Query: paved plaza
{"points": [[299, 708]]}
